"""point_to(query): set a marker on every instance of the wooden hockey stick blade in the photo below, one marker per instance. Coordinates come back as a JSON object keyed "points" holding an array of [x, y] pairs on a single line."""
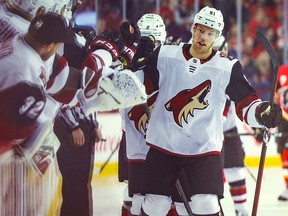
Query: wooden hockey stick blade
{"points": [[274, 59]]}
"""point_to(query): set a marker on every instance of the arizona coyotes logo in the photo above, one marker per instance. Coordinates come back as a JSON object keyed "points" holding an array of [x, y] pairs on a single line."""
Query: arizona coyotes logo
{"points": [[186, 101], [141, 114]]}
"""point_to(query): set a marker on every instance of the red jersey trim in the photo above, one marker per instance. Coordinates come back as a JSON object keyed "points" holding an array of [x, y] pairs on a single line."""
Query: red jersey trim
{"points": [[245, 103], [136, 161], [181, 155]]}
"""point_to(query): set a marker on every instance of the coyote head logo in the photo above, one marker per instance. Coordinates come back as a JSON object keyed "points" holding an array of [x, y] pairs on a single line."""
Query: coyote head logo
{"points": [[141, 114], [186, 101]]}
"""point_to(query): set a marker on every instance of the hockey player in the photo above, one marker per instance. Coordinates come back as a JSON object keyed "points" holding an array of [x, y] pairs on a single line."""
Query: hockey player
{"points": [[144, 50], [76, 156], [23, 80], [15, 19], [282, 141], [136, 122], [106, 52], [23, 75], [61, 89], [184, 133]]}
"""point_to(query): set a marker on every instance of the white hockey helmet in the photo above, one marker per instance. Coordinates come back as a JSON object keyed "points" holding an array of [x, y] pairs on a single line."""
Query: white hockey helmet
{"points": [[152, 24], [64, 7], [210, 17], [30, 7]]}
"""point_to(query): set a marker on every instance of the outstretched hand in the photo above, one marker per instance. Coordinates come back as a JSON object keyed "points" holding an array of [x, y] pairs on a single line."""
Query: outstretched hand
{"points": [[144, 50], [268, 115], [109, 40], [131, 36]]}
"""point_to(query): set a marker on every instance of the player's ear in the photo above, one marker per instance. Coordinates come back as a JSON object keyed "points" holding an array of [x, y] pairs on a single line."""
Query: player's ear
{"points": [[50, 46], [41, 10]]}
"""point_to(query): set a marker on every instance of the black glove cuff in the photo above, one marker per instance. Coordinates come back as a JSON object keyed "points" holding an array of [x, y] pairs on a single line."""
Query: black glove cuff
{"points": [[270, 117]]}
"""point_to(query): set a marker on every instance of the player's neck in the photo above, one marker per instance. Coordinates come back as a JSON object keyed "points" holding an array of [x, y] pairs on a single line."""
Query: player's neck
{"points": [[38, 47], [200, 55]]}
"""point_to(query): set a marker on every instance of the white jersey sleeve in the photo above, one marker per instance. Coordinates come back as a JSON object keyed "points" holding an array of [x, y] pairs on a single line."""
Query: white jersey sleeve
{"points": [[11, 24]]}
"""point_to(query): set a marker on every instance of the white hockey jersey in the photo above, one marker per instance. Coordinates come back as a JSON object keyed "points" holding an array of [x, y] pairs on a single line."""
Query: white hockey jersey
{"points": [[187, 118], [136, 120], [229, 116], [21, 88]]}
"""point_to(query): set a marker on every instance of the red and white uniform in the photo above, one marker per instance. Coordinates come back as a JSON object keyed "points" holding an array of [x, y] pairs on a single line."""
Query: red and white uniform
{"points": [[55, 77], [57, 69], [12, 25], [193, 95], [136, 122], [21, 88]]}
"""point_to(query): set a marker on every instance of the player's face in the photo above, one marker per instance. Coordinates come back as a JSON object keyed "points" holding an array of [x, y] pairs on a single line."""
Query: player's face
{"points": [[203, 39]]}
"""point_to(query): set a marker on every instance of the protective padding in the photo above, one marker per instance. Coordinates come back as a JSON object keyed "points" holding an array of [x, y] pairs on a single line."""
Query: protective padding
{"points": [[156, 204], [204, 204]]}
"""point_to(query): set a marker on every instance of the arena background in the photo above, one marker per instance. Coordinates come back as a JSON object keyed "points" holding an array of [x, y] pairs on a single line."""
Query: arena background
{"points": [[40, 195]]}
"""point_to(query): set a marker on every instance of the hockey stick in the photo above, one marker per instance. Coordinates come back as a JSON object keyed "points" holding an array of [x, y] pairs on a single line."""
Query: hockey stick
{"points": [[275, 63], [185, 200], [183, 197], [112, 96], [278, 134], [250, 173], [274, 59], [98, 170]]}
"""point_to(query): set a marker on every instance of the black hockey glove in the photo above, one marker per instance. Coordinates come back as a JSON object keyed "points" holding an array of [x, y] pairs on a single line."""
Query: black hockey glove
{"points": [[130, 33], [144, 50], [87, 32], [131, 36], [258, 134], [269, 116], [110, 41]]}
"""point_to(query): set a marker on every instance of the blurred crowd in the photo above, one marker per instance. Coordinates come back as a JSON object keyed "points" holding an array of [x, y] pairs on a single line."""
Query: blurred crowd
{"points": [[264, 15]]}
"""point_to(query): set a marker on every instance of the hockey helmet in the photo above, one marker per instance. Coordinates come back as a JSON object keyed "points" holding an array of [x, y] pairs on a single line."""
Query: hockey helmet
{"points": [[210, 17], [152, 24], [30, 7], [66, 7]]}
